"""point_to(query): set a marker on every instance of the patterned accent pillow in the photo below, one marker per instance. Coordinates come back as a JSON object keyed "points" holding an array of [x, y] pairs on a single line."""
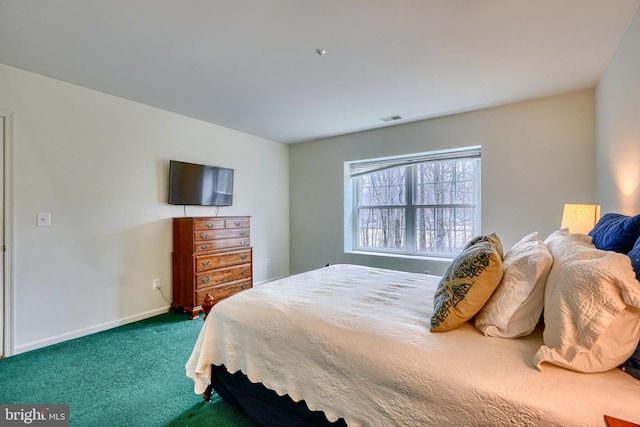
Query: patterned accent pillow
{"points": [[466, 285], [492, 239]]}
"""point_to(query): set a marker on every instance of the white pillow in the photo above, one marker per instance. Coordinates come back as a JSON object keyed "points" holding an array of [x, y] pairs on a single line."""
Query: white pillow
{"points": [[592, 306], [515, 307]]}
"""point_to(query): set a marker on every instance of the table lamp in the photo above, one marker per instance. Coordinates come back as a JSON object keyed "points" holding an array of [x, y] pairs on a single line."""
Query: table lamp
{"points": [[580, 218]]}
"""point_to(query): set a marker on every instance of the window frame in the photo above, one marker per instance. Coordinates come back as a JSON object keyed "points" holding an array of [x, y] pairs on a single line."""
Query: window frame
{"points": [[354, 169]]}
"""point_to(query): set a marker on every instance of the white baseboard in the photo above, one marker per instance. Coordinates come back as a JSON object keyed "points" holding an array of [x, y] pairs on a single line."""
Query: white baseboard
{"points": [[99, 328], [88, 331]]}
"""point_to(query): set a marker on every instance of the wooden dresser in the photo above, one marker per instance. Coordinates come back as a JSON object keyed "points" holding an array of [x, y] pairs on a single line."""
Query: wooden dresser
{"points": [[211, 256]]}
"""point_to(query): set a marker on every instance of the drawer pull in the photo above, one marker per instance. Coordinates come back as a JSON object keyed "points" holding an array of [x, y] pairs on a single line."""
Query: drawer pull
{"points": [[204, 246], [243, 257], [209, 225], [244, 271], [238, 223], [206, 263], [204, 235], [242, 242], [245, 286], [205, 280], [242, 233]]}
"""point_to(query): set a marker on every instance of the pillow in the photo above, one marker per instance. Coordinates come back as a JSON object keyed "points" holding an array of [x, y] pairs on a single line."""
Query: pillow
{"points": [[591, 306], [466, 285], [515, 307], [492, 239], [616, 232], [634, 254], [632, 365]]}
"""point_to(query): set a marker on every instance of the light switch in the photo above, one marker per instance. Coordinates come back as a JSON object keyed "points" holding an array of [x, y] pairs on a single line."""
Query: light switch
{"points": [[44, 219]]}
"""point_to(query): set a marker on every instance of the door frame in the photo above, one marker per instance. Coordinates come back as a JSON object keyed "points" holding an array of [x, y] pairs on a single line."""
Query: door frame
{"points": [[6, 285]]}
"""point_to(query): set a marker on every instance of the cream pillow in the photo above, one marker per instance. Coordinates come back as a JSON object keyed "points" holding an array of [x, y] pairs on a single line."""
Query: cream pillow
{"points": [[592, 306], [466, 285], [515, 307]]}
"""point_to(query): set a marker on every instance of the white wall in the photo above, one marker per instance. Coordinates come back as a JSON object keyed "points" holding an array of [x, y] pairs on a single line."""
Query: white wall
{"points": [[536, 156], [99, 165], [618, 127]]}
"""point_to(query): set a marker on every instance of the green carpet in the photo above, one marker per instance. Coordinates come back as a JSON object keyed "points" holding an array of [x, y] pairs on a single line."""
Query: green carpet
{"points": [[132, 375]]}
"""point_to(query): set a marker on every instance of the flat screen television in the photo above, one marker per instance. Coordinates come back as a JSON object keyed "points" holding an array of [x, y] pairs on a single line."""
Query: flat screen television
{"points": [[202, 185]]}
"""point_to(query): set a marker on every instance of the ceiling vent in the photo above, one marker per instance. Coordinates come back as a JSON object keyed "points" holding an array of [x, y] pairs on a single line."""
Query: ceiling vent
{"points": [[391, 118]]}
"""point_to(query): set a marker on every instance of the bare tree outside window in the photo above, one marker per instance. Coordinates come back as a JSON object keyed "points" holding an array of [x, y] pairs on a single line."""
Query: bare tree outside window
{"points": [[445, 205], [381, 213], [424, 208]]}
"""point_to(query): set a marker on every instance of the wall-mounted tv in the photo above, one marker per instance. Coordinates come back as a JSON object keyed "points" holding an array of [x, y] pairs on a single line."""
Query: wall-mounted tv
{"points": [[194, 184]]}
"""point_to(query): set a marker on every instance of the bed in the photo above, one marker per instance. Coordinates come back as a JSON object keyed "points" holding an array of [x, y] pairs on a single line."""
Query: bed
{"points": [[356, 345]]}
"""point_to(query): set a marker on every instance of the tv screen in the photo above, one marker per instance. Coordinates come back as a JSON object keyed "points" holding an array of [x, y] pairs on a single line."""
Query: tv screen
{"points": [[193, 184]]}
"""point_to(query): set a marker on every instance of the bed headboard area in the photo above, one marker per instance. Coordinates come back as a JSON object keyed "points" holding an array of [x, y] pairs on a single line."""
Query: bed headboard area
{"points": [[586, 286]]}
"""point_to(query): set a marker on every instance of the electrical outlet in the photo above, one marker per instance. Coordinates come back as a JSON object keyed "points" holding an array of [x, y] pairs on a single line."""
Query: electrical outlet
{"points": [[267, 262], [44, 219], [156, 284]]}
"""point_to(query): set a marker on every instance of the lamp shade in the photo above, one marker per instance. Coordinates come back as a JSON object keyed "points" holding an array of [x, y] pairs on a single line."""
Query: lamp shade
{"points": [[580, 218]]}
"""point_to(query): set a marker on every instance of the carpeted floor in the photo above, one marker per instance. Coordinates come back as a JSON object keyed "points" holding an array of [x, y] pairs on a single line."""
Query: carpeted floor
{"points": [[132, 375]]}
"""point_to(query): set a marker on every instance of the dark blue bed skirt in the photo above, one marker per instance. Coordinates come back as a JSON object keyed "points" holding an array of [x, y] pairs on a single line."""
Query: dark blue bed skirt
{"points": [[265, 406]]}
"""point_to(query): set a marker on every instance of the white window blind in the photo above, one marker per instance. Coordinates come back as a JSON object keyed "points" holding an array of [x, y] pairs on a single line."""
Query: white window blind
{"points": [[370, 166]]}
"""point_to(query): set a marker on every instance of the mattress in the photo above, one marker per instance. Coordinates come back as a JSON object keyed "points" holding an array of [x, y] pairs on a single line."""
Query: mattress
{"points": [[354, 342]]}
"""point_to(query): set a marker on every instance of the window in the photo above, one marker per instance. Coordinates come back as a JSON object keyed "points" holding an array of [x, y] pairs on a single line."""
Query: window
{"points": [[426, 204]]}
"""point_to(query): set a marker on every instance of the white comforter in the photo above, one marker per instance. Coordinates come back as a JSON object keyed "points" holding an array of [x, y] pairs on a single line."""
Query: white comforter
{"points": [[354, 342]]}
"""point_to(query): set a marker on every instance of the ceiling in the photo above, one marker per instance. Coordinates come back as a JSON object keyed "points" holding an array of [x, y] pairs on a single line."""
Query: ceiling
{"points": [[251, 65]]}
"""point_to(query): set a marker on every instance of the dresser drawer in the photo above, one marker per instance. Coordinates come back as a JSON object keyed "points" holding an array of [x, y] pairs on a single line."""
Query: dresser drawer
{"points": [[219, 293], [210, 245], [210, 262], [208, 224], [204, 235], [237, 223], [222, 275]]}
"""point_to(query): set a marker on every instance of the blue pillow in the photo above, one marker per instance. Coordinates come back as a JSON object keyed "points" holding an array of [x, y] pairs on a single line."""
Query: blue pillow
{"points": [[634, 254], [616, 232], [632, 365]]}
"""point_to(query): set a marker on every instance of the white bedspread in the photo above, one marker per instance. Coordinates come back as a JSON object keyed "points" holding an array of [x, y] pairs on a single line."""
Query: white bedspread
{"points": [[354, 342]]}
